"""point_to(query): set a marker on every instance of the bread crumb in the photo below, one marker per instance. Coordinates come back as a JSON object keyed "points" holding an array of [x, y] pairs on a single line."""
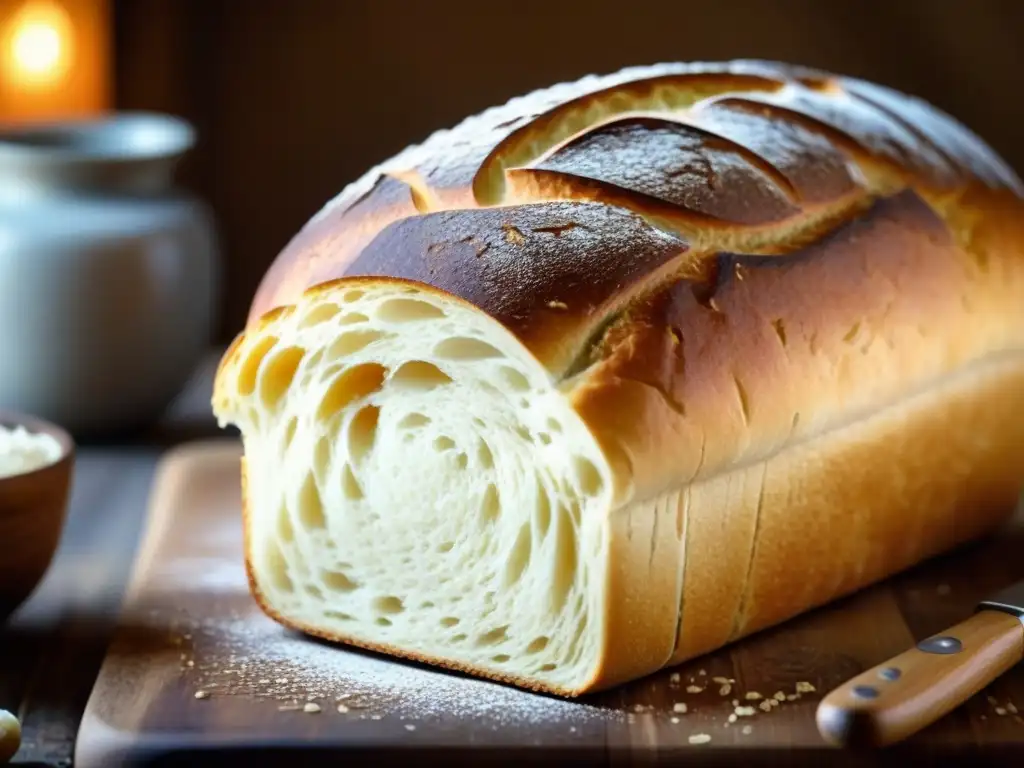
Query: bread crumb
{"points": [[558, 305], [700, 738], [723, 680], [732, 717], [793, 697], [410, 727], [202, 695], [190, 663], [747, 730], [992, 700], [674, 720], [693, 689], [735, 702], [282, 680], [1011, 708], [766, 705], [725, 690], [745, 711], [572, 729], [343, 709], [679, 707], [753, 696], [289, 708], [263, 682], [944, 589], [1000, 711], [674, 677], [805, 688], [779, 696], [701, 672], [311, 708]]}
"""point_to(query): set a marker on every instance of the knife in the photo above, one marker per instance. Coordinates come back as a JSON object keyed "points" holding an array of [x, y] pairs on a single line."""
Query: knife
{"points": [[890, 702]]}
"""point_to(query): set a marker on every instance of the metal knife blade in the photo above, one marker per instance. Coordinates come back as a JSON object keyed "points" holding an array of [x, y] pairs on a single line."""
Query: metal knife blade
{"points": [[900, 697], [1009, 600]]}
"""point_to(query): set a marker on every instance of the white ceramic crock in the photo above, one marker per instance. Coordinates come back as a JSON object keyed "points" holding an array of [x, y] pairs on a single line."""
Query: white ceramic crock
{"points": [[108, 273]]}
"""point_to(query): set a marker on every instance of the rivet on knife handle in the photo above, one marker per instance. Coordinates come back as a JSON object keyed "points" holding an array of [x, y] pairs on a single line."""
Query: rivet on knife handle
{"points": [[913, 690]]}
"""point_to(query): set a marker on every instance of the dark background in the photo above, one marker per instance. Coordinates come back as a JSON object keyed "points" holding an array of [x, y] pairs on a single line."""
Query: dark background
{"points": [[295, 98]]}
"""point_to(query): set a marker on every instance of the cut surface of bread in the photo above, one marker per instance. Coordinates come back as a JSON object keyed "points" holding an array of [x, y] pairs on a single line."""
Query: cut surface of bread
{"points": [[415, 480], [627, 369]]}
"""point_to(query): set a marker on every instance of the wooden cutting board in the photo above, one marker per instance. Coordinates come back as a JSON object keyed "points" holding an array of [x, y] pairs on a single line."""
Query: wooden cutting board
{"points": [[189, 628]]}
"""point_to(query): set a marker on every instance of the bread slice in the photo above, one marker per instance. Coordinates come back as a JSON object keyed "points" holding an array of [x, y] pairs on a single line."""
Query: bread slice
{"points": [[628, 369]]}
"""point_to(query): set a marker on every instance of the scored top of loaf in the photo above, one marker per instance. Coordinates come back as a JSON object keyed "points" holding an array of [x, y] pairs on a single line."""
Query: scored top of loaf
{"points": [[748, 156]]}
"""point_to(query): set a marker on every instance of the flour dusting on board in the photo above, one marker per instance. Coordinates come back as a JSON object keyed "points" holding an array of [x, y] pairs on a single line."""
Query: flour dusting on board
{"points": [[258, 658], [230, 648]]}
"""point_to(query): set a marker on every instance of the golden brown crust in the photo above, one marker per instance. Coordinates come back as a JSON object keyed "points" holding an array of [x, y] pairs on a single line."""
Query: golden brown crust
{"points": [[788, 138], [827, 517], [703, 376]]}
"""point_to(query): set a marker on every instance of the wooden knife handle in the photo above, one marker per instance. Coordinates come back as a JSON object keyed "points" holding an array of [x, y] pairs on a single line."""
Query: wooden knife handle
{"points": [[916, 688]]}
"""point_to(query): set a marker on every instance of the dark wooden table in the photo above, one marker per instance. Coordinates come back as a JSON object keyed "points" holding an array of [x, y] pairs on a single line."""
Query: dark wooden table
{"points": [[50, 651]]}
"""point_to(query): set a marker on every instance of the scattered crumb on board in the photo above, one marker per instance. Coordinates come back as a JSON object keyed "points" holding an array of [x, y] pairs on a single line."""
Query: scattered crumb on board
{"points": [[1002, 709]]}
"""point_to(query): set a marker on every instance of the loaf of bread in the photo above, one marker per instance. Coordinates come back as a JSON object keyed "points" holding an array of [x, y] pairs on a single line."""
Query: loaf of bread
{"points": [[627, 369]]}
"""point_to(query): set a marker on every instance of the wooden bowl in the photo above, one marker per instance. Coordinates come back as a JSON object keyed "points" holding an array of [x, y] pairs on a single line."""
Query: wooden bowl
{"points": [[32, 509]]}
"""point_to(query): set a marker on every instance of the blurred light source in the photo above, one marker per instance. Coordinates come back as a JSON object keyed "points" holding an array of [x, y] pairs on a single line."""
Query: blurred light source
{"points": [[40, 46], [54, 58]]}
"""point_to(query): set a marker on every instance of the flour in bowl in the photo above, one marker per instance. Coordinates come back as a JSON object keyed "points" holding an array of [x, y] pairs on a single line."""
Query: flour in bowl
{"points": [[23, 451]]}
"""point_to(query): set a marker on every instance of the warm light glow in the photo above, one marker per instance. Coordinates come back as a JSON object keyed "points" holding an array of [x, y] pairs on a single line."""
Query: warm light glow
{"points": [[36, 48], [38, 45]]}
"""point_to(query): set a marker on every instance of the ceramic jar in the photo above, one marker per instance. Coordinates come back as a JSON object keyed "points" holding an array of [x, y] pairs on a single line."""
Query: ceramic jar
{"points": [[108, 272]]}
